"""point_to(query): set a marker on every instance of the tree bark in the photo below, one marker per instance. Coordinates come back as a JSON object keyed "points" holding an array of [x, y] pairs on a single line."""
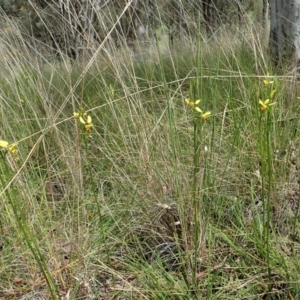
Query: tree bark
{"points": [[265, 13], [284, 41]]}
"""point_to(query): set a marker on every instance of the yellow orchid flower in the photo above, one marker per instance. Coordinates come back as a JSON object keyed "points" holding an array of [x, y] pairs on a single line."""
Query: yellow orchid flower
{"points": [[267, 82], [11, 148], [264, 105], [76, 115], [192, 103], [273, 93], [205, 115], [87, 122], [3, 144]]}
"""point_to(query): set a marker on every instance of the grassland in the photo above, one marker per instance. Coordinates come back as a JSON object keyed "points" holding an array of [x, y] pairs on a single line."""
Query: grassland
{"points": [[154, 202]]}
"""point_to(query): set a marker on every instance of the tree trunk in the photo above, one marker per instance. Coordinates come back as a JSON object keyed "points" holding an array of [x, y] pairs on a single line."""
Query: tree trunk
{"points": [[284, 41], [265, 14]]}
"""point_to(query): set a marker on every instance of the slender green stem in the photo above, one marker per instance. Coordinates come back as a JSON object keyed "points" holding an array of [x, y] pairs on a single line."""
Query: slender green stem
{"points": [[195, 199], [269, 179], [27, 234]]}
